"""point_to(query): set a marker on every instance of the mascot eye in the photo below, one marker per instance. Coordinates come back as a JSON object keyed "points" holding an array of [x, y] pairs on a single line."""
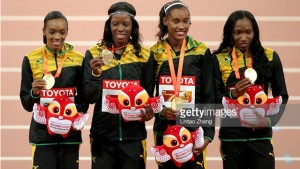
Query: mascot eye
{"points": [[184, 137], [170, 141], [126, 102], [174, 142], [55, 109], [258, 101], [246, 101], [68, 112], [139, 102]]}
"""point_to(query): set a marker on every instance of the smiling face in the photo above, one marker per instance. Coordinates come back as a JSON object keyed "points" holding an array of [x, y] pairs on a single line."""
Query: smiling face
{"points": [[56, 31], [243, 34], [121, 27], [178, 23]]}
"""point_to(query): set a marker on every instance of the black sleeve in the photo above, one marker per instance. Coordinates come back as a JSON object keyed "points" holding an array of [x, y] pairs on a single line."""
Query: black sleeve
{"points": [[26, 80], [91, 84], [207, 89], [219, 90], [207, 79], [148, 79], [81, 103], [278, 87]]}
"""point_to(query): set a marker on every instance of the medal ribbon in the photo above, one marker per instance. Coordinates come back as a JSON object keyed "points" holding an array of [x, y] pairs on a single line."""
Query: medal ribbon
{"points": [[235, 63], [176, 80], [121, 47], [59, 67]]}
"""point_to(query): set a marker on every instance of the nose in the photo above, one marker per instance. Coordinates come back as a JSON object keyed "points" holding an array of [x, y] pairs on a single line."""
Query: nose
{"points": [[57, 36], [181, 145], [181, 25], [132, 108], [243, 37], [120, 28], [60, 117]]}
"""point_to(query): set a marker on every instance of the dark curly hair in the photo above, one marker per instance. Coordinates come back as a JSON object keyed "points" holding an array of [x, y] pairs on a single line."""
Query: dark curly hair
{"points": [[260, 61]]}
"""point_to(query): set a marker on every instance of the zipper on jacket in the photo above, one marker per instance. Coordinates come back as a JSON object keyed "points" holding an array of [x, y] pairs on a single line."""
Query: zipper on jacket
{"points": [[55, 57], [120, 116], [245, 61]]}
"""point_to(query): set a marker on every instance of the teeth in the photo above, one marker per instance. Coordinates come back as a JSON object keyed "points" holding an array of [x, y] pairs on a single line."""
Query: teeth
{"points": [[120, 36], [56, 43]]}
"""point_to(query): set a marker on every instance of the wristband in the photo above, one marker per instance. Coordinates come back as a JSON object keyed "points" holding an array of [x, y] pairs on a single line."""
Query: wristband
{"points": [[32, 95], [230, 93], [269, 122], [96, 75], [160, 116]]}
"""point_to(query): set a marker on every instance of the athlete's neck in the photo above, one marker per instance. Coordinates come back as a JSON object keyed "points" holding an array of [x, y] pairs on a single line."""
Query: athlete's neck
{"points": [[176, 45], [53, 51]]}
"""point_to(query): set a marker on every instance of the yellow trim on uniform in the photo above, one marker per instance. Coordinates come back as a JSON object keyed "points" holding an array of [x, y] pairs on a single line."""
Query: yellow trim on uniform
{"points": [[128, 55], [204, 158], [92, 157], [36, 59], [33, 148], [225, 60], [193, 48], [220, 150], [272, 142], [144, 143]]}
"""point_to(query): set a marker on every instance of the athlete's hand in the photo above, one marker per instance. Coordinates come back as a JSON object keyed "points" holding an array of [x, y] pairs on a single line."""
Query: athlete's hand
{"points": [[198, 151], [241, 87], [169, 114], [96, 64], [147, 114], [38, 85]]}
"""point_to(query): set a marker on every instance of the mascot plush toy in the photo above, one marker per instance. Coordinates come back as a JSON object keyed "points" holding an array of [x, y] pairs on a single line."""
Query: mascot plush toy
{"points": [[131, 101], [254, 100], [178, 143], [60, 115]]}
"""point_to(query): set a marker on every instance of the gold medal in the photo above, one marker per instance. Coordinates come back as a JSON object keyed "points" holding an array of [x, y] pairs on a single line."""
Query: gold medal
{"points": [[49, 81], [177, 103], [251, 74], [107, 56]]}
